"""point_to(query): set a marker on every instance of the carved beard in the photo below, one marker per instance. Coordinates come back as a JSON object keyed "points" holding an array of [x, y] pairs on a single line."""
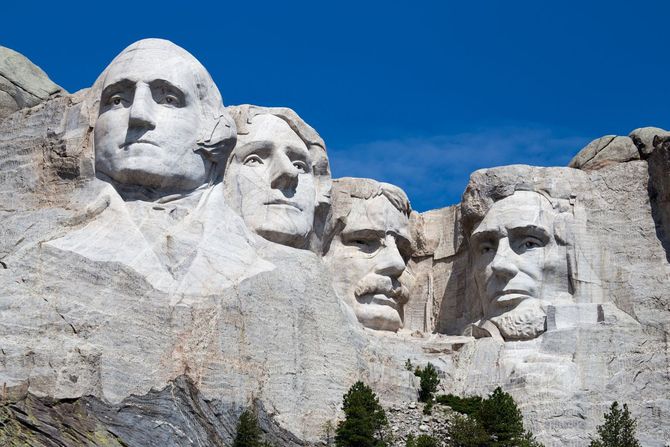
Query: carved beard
{"points": [[526, 321]]}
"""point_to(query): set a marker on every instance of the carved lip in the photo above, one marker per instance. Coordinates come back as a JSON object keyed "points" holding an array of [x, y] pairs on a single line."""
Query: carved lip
{"points": [[282, 202], [380, 298], [125, 144], [511, 296]]}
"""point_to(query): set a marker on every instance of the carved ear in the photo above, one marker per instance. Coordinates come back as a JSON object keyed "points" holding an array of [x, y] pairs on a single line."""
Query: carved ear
{"points": [[217, 137], [321, 171]]}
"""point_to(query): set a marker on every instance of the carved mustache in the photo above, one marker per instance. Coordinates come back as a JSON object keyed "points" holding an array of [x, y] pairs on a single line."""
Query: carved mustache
{"points": [[376, 284], [282, 202], [129, 142]]}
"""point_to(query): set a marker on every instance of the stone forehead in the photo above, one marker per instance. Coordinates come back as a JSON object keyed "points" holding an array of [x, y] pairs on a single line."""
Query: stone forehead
{"points": [[157, 46], [346, 189], [377, 208], [270, 127], [207, 91], [521, 207]]}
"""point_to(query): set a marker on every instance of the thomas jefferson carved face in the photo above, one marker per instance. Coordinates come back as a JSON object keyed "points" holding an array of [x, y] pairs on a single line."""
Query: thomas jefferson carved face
{"points": [[518, 265], [367, 258], [149, 120], [269, 181]]}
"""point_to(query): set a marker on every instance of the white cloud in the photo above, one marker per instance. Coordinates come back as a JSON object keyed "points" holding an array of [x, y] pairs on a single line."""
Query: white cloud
{"points": [[434, 171]]}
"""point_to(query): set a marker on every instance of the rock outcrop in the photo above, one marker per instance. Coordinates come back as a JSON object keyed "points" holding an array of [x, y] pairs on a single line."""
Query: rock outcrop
{"points": [[150, 304], [22, 83]]}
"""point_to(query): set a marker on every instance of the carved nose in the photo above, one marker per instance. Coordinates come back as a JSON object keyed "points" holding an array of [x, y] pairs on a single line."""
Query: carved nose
{"points": [[141, 111], [503, 264], [389, 261], [283, 175]]}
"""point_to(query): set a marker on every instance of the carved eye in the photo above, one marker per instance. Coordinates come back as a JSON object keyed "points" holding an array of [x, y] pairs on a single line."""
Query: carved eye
{"points": [[366, 245], [486, 247], [300, 166], [530, 243], [115, 100], [171, 100], [253, 160]]}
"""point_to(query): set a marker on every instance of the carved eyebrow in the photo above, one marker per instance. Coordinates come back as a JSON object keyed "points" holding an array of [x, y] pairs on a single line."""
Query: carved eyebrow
{"points": [[531, 230], [116, 87], [299, 152], [364, 233], [479, 236], [262, 148], [163, 83]]}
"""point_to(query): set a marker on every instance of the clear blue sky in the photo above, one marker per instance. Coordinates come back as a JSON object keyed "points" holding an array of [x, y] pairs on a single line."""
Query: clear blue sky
{"points": [[417, 93]]}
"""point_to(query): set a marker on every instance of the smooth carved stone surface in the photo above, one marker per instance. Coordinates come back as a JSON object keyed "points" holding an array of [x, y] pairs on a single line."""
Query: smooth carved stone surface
{"points": [[141, 312], [366, 247], [277, 177], [520, 263], [22, 83], [161, 123]]}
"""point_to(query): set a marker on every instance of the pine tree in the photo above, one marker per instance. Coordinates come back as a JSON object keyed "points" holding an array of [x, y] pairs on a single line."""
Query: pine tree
{"points": [[429, 380], [467, 432], [248, 433], [618, 429], [502, 419], [364, 420]]}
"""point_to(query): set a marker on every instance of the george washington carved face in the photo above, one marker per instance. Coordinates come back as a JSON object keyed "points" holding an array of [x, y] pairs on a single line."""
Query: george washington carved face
{"points": [[155, 102]]}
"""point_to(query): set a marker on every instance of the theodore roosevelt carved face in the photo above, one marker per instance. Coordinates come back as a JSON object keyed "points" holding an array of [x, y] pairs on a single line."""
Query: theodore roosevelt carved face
{"points": [[160, 115], [367, 250], [275, 175], [519, 264]]}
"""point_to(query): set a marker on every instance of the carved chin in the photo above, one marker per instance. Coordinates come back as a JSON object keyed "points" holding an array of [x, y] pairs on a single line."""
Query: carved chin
{"points": [[522, 323]]}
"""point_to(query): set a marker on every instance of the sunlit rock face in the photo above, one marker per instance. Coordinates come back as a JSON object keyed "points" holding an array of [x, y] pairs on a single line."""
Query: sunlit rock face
{"points": [[160, 117], [22, 83], [520, 263], [277, 177], [600, 278], [153, 296], [367, 247]]}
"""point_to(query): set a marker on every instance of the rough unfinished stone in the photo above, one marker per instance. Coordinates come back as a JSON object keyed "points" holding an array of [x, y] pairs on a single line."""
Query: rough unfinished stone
{"points": [[605, 151], [22, 83]]}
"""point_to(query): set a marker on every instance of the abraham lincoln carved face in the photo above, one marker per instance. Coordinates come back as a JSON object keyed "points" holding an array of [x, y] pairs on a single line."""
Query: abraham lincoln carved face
{"points": [[519, 265]]}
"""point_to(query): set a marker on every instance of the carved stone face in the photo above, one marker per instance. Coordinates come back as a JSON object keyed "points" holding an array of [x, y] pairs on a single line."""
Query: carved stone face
{"points": [[269, 181], [367, 258], [518, 266], [149, 121]]}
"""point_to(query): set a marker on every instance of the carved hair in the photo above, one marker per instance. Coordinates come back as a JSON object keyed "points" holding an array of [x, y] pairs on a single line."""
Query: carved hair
{"points": [[217, 133], [488, 186], [346, 190]]}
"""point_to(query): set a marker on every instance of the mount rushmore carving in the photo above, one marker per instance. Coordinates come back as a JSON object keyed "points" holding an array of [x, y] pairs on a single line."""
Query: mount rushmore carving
{"points": [[153, 235]]}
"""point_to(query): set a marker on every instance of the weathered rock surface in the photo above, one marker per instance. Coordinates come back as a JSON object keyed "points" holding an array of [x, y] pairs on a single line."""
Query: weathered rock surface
{"points": [[106, 345], [22, 83], [611, 344], [604, 151]]}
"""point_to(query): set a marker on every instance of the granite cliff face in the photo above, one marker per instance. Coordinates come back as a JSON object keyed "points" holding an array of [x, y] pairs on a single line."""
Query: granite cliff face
{"points": [[148, 300]]}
